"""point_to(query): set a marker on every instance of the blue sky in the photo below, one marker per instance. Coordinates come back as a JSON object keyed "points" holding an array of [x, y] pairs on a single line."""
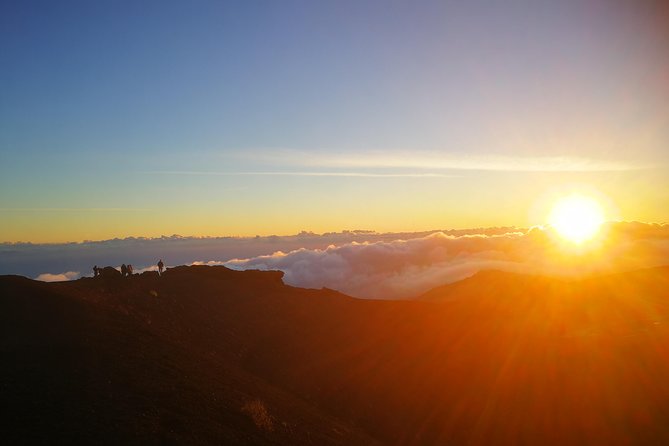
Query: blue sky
{"points": [[142, 118]]}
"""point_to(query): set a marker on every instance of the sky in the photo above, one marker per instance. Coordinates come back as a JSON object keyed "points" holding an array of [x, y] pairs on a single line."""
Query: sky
{"points": [[150, 118]]}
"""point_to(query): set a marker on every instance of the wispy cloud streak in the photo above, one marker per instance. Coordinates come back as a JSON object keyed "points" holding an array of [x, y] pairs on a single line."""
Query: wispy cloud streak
{"points": [[440, 161], [306, 174], [51, 209]]}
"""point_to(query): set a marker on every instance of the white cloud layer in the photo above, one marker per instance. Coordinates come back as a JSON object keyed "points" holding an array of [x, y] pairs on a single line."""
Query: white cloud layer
{"points": [[31, 260], [406, 268], [372, 265]]}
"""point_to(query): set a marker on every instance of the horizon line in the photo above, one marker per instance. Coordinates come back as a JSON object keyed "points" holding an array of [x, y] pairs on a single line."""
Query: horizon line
{"points": [[314, 234]]}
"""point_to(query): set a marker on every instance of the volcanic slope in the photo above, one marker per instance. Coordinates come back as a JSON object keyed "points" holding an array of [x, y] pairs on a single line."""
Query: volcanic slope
{"points": [[206, 355]]}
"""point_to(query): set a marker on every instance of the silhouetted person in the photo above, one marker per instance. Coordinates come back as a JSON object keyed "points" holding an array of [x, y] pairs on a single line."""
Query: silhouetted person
{"points": [[96, 271], [161, 265], [129, 269], [124, 270]]}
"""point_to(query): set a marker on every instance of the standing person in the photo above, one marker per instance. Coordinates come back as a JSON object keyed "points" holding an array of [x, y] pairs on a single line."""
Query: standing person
{"points": [[96, 271], [124, 270], [160, 267], [129, 269]]}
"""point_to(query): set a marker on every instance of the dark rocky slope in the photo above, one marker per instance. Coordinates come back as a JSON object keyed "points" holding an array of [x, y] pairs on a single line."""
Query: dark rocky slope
{"points": [[212, 356]]}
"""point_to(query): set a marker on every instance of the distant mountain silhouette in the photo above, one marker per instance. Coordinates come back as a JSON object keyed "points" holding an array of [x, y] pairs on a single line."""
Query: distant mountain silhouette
{"points": [[207, 355]]}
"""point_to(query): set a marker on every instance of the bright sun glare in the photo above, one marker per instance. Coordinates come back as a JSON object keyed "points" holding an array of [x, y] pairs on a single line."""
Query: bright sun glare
{"points": [[577, 218]]}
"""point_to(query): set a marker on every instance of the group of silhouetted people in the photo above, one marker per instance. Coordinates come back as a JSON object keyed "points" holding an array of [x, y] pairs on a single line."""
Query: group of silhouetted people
{"points": [[126, 270]]}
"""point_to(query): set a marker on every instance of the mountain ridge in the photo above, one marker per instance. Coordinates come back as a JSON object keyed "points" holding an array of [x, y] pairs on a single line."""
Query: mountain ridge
{"points": [[209, 355]]}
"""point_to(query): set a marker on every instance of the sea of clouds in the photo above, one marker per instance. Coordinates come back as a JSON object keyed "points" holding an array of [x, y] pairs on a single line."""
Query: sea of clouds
{"points": [[408, 267], [372, 265]]}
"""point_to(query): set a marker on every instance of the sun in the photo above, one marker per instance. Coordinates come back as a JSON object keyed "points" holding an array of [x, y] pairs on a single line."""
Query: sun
{"points": [[577, 218]]}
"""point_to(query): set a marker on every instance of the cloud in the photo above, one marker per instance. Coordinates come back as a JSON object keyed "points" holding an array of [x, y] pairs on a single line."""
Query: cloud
{"points": [[406, 268], [62, 277], [365, 263], [393, 269], [32, 259], [46, 209], [307, 174], [438, 160]]}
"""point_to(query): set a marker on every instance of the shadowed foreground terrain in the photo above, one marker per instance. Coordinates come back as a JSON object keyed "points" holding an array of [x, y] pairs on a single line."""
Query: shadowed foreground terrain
{"points": [[213, 356]]}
